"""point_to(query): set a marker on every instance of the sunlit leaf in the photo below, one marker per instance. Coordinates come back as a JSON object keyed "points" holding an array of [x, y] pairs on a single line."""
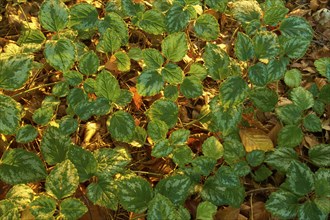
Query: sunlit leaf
{"points": [[10, 112], [53, 15], [175, 46], [207, 27]]}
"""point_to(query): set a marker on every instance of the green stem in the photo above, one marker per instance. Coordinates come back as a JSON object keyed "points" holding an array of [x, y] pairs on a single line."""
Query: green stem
{"points": [[35, 88]]}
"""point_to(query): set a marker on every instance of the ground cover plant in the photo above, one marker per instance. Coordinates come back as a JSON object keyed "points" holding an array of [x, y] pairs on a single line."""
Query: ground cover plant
{"points": [[183, 109]]}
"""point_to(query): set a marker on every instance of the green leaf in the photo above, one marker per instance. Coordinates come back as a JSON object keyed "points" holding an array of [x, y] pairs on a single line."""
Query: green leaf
{"points": [[107, 86], [89, 63], [74, 78], [323, 204], [162, 149], [134, 194], [121, 126], [10, 112], [21, 166], [233, 91], [323, 66], [111, 161], [61, 89], [21, 195], [8, 210], [43, 115], [130, 8], [276, 68], [207, 27], [322, 187], [241, 168], [117, 25], [53, 15], [216, 61], [160, 207], [265, 45], [135, 53], [164, 110], [275, 204], [83, 17], [293, 26], [281, 158], [43, 207], [175, 46], [182, 155], [14, 72], [292, 78], [123, 62], [103, 193], [110, 41], [264, 99], [26, 134], [319, 154], [290, 136], [246, 11], [31, 36], [84, 161], [312, 123], [300, 179], [157, 130], [175, 187], [233, 151], [191, 87], [172, 74], [63, 180], [226, 177], [152, 58], [318, 107], [294, 47], [217, 5], [262, 173], [310, 211], [324, 94], [171, 92], [258, 74], [289, 114], [212, 148], [60, 54], [68, 125], [302, 98], [177, 18], [273, 15], [206, 211], [255, 157], [152, 22], [243, 47], [72, 208], [54, 145], [204, 165], [179, 137], [198, 71]]}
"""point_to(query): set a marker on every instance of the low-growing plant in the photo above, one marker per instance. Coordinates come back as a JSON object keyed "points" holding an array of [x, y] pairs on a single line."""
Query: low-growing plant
{"points": [[101, 73]]}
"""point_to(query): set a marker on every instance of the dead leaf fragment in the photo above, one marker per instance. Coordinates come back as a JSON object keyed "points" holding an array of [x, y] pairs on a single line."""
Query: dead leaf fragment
{"points": [[255, 139]]}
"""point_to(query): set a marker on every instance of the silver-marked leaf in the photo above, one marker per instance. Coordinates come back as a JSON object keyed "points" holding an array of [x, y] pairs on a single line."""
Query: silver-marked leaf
{"points": [[233, 91], [122, 61], [182, 155], [53, 15], [233, 151], [281, 158], [212, 148], [152, 58], [310, 211], [63, 180], [293, 47], [175, 187], [43, 115], [302, 98], [292, 27], [84, 162], [289, 114], [312, 123], [60, 54], [276, 68], [121, 126], [255, 157], [68, 125], [292, 78], [152, 22], [10, 112], [110, 41], [107, 86], [164, 110], [160, 207], [134, 194], [206, 211], [322, 188], [8, 210], [177, 18], [172, 74], [265, 45], [217, 5], [21, 166], [83, 16], [157, 130], [149, 83], [246, 11], [319, 154], [243, 47], [273, 15], [103, 193], [207, 27], [216, 61], [203, 165], [26, 134], [275, 204], [117, 25], [162, 149], [31, 36], [175, 46], [43, 207], [89, 63], [21, 195], [258, 74], [54, 145], [191, 87], [14, 71], [264, 99], [290, 136], [323, 66], [72, 208]]}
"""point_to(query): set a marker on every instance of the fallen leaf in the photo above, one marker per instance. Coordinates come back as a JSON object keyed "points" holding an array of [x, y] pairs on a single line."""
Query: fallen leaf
{"points": [[137, 99], [255, 139]]}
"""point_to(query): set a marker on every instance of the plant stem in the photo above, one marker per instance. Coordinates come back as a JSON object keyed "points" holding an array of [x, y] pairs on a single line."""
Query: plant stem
{"points": [[35, 88]]}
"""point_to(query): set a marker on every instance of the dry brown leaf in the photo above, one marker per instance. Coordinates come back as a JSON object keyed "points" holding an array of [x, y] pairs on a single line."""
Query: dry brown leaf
{"points": [[137, 99], [111, 65], [228, 213], [255, 139], [314, 5]]}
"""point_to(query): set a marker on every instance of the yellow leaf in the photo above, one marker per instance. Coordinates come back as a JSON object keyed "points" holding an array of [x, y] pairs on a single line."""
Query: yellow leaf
{"points": [[255, 139]]}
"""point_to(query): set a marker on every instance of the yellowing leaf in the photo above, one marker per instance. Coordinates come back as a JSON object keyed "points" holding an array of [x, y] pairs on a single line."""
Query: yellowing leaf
{"points": [[255, 139]]}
